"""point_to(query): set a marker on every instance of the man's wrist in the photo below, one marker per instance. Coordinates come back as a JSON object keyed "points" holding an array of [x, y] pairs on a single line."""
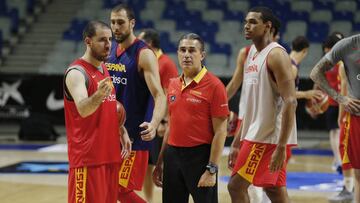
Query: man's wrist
{"points": [[212, 168]]}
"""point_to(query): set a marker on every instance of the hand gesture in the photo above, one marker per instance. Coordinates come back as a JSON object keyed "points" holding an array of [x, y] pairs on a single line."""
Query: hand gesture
{"points": [[149, 133], [207, 179], [278, 158], [104, 87], [157, 175]]}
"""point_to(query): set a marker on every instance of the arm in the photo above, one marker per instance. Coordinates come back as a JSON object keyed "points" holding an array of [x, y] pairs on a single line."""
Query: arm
{"points": [[75, 82], [149, 65], [318, 76], [309, 94], [238, 76], [158, 171], [343, 90], [234, 149], [279, 63], [217, 145]]}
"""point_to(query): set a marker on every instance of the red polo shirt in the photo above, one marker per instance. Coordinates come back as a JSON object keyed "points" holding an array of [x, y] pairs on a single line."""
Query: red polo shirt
{"points": [[192, 107]]}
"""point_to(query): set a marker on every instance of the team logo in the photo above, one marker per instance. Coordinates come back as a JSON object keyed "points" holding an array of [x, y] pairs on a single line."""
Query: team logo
{"points": [[251, 68], [172, 98], [115, 67]]}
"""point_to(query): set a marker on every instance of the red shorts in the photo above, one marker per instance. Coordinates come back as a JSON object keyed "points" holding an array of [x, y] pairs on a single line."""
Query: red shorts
{"points": [[253, 165], [93, 184], [350, 142], [133, 170]]}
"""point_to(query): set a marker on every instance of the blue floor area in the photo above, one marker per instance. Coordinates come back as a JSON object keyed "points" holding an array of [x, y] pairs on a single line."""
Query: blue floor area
{"points": [[310, 181], [22, 146]]}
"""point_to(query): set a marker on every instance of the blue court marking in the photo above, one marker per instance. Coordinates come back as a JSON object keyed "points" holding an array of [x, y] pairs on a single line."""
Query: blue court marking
{"points": [[22, 146], [36, 167], [310, 181], [311, 152]]}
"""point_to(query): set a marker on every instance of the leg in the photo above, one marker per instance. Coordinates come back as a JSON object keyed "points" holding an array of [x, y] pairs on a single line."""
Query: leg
{"points": [[195, 160], [255, 193], [148, 187], [335, 142], [238, 189], [174, 188], [131, 177], [277, 194], [357, 185], [129, 196]]}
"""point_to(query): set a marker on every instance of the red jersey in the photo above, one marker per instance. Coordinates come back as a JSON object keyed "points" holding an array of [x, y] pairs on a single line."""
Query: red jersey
{"points": [[191, 109], [92, 140], [167, 69], [333, 78]]}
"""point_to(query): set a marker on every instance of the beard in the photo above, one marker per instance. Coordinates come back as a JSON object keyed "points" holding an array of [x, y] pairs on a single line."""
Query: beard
{"points": [[122, 38], [98, 56]]}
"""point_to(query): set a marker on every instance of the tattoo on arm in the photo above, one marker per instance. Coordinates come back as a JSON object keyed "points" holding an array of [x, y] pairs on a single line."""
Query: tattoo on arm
{"points": [[318, 76]]}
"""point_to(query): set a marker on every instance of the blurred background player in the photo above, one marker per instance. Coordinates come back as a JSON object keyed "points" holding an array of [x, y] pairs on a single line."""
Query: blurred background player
{"points": [[133, 67], [167, 70], [299, 50], [348, 51], [332, 112]]}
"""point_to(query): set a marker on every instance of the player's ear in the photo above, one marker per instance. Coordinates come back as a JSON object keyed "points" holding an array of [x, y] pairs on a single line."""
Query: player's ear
{"points": [[268, 25], [132, 23], [87, 41]]}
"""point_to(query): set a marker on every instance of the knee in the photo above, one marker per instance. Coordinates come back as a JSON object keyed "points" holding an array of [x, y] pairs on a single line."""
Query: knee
{"points": [[357, 174], [234, 187]]}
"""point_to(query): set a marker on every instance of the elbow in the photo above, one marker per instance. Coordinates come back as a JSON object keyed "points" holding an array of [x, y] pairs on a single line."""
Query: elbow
{"points": [[291, 102], [313, 74], [83, 113]]}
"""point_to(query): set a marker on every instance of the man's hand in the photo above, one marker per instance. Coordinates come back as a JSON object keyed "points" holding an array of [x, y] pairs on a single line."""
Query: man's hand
{"points": [[350, 105], [232, 156], [278, 158], [104, 87], [149, 133], [157, 175], [125, 143], [207, 179], [314, 94]]}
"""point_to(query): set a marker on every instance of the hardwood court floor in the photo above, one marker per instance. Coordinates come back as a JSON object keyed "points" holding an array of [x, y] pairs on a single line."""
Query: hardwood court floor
{"points": [[39, 188]]}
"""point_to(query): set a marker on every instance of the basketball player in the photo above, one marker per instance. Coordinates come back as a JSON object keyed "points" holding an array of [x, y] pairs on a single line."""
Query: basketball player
{"points": [[167, 70], [348, 51], [133, 68], [299, 50], [91, 122], [268, 138]]}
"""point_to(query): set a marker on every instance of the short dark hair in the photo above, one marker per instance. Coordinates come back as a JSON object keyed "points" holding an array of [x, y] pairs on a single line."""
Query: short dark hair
{"points": [[330, 41], [268, 15], [300, 43], [276, 25], [338, 34], [151, 36], [193, 36], [91, 27], [129, 11]]}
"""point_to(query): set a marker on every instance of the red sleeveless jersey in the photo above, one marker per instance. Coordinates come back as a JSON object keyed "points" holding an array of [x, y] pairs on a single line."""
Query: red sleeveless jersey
{"points": [[333, 78], [92, 140]]}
